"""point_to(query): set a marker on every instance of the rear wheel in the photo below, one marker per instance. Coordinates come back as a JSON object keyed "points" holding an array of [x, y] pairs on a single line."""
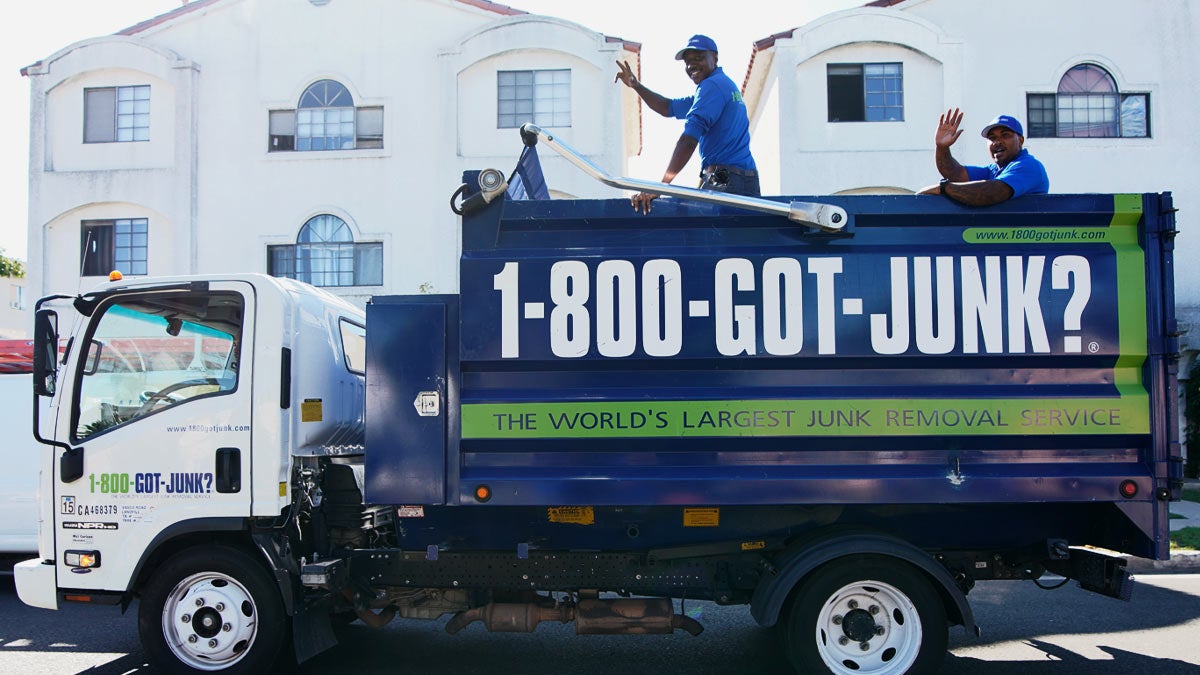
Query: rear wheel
{"points": [[866, 615], [213, 609]]}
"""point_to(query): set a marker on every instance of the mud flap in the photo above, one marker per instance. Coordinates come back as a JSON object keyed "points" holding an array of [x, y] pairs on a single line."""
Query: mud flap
{"points": [[312, 633]]}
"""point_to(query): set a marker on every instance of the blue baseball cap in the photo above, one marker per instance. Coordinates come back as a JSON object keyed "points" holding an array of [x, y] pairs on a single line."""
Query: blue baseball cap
{"points": [[701, 42], [1006, 121]]}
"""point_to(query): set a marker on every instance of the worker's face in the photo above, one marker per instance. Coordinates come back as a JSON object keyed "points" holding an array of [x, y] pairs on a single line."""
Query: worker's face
{"points": [[699, 64], [1004, 144]]}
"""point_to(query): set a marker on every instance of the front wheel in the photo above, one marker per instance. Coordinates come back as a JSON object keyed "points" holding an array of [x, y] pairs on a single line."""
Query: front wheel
{"points": [[213, 609], [866, 615]]}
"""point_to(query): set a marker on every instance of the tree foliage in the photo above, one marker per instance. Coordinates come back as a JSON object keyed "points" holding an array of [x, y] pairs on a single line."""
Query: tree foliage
{"points": [[11, 267]]}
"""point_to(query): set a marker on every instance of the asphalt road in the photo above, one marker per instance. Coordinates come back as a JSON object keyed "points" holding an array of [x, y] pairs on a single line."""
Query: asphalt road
{"points": [[1025, 630]]}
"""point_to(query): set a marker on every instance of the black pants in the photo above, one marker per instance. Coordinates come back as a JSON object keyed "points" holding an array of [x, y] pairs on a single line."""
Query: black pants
{"points": [[730, 182]]}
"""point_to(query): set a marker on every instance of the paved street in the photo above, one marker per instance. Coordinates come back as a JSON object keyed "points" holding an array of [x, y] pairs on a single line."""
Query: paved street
{"points": [[1026, 631]]}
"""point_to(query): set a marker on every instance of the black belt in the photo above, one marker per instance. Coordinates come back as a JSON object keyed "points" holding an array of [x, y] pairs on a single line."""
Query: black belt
{"points": [[737, 171]]}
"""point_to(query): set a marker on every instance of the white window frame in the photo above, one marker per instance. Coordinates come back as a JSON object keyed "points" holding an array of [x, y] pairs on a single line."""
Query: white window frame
{"points": [[539, 96], [116, 114]]}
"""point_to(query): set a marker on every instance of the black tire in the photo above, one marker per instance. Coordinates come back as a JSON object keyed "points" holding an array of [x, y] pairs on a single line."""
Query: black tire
{"points": [[883, 603], [214, 608]]}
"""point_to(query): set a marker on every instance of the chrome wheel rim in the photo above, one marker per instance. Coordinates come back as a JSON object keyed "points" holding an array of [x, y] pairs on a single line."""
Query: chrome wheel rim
{"points": [[209, 621], [868, 627]]}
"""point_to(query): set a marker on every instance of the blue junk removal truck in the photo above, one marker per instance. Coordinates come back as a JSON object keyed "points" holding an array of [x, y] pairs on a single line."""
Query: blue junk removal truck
{"points": [[841, 412]]}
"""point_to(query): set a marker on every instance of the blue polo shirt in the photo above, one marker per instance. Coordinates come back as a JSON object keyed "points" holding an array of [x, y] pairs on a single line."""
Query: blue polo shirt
{"points": [[1024, 174], [716, 117]]}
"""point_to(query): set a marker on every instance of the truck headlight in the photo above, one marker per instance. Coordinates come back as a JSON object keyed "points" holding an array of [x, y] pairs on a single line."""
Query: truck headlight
{"points": [[82, 559]]}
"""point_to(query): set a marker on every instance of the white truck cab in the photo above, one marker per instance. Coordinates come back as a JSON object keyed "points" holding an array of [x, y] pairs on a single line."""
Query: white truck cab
{"points": [[176, 410]]}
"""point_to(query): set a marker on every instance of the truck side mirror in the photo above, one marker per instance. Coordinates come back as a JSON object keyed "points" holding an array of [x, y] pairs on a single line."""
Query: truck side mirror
{"points": [[45, 352]]}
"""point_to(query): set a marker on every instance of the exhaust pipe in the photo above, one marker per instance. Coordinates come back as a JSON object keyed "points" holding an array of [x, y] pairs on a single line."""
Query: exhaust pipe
{"points": [[624, 616], [385, 615], [374, 620], [631, 616]]}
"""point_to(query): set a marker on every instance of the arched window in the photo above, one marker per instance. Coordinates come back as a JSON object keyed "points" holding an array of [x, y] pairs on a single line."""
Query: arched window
{"points": [[1088, 104], [325, 118], [325, 254]]}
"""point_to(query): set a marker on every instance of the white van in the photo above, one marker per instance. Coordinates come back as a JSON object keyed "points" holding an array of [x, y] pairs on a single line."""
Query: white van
{"points": [[19, 478]]}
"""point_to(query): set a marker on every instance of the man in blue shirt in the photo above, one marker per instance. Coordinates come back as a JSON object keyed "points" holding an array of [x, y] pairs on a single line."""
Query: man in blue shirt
{"points": [[1014, 172], [715, 120]]}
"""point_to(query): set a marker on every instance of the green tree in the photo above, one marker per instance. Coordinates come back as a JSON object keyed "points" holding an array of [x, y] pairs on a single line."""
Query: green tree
{"points": [[11, 267], [1191, 414]]}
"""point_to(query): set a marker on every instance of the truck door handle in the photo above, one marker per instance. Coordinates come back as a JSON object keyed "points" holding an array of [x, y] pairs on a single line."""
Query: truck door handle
{"points": [[229, 470]]}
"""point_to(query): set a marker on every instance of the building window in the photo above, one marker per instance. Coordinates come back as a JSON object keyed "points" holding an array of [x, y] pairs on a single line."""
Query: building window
{"points": [[108, 245], [16, 296], [865, 92], [116, 114], [539, 96], [325, 119], [1088, 104], [325, 254]]}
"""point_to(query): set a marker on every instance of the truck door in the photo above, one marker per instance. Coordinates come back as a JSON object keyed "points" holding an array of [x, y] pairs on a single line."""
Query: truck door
{"points": [[159, 400]]}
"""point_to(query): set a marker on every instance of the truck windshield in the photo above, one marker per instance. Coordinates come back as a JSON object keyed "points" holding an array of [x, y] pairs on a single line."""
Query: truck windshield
{"points": [[153, 352]]}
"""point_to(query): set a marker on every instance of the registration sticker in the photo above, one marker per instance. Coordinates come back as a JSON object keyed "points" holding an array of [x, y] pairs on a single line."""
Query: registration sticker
{"points": [[310, 410], [701, 517], [574, 515]]}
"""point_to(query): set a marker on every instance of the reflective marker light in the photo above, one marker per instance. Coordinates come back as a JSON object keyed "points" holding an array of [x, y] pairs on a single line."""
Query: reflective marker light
{"points": [[483, 493], [1128, 489], [82, 559]]}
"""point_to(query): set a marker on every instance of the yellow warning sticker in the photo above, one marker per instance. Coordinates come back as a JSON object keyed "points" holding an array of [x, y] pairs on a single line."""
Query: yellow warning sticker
{"points": [[310, 410], [574, 515], [701, 517], [753, 545]]}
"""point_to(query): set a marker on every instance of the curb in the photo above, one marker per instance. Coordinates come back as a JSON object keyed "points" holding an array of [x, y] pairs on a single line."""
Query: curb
{"points": [[1181, 562]]}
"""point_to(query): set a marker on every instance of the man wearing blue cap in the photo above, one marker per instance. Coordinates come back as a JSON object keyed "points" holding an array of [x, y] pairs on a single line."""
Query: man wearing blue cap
{"points": [[715, 120], [1013, 172]]}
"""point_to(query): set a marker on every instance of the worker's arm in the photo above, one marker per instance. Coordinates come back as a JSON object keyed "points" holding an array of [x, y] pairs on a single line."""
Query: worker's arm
{"points": [[684, 147], [948, 166], [973, 193], [947, 133]]}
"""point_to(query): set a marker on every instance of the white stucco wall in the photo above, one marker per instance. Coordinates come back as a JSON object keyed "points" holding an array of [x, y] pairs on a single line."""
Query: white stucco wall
{"points": [[16, 319], [600, 121], [71, 181], [62, 238], [956, 54], [64, 110], [821, 157], [765, 130], [216, 198]]}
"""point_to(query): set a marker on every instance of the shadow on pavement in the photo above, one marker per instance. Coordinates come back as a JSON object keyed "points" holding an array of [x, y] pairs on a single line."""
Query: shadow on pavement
{"points": [[1008, 611], [1059, 661]]}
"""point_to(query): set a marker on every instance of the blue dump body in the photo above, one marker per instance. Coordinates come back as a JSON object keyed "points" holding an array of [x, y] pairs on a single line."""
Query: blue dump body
{"points": [[959, 378]]}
